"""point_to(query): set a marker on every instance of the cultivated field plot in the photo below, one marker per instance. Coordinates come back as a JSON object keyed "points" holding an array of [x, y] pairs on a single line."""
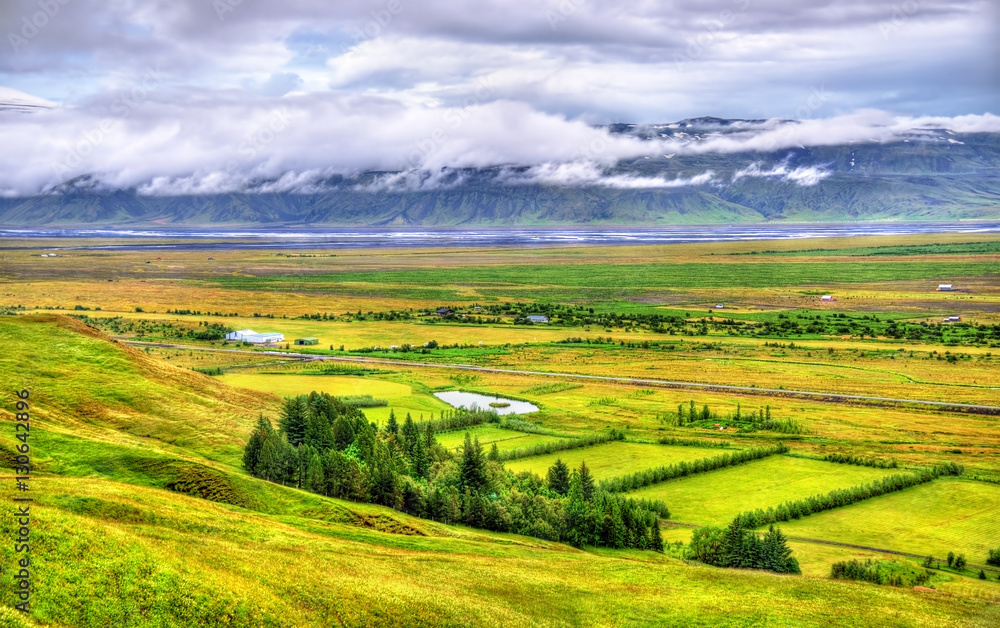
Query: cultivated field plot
{"points": [[401, 397], [614, 459], [947, 515], [718, 496], [489, 434]]}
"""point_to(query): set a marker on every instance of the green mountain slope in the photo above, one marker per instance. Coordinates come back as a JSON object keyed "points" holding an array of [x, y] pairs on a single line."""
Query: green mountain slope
{"points": [[940, 176]]}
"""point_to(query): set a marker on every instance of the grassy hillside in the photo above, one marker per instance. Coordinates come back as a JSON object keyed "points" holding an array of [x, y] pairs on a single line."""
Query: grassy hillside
{"points": [[120, 439]]}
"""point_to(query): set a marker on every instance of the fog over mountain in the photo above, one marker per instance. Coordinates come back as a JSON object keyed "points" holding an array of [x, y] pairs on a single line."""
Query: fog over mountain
{"points": [[523, 112]]}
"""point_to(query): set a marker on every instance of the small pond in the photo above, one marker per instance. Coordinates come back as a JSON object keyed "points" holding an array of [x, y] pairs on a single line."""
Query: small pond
{"points": [[459, 399]]}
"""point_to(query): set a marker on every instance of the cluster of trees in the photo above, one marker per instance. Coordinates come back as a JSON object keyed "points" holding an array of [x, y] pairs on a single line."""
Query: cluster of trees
{"points": [[862, 461], [880, 572], [993, 558], [761, 419], [640, 479], [328, 447], [844, 497], [694, 442], [739, 546], [120, 326]]}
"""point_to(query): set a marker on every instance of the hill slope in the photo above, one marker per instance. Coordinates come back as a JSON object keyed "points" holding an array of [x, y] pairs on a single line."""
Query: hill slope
{"points": [[114, 542]]}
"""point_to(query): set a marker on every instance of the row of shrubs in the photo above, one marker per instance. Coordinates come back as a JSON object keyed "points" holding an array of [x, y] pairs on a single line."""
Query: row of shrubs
{"points": [[862, 461], [542, 449]]}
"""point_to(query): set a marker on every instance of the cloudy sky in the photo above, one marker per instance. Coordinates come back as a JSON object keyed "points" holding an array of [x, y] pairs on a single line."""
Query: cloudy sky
{"points": [[198, 95]]}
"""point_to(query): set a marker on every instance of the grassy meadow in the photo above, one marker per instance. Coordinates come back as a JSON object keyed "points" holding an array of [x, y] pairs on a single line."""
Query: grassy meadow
{"points": [[144, 515], [715, 498]]}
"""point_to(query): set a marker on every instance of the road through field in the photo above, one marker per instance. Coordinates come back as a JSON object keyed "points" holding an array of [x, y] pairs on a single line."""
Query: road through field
{"points": [[822, 396]]}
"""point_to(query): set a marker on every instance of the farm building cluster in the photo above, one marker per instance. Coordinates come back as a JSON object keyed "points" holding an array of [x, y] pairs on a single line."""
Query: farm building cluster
{"points": [[249, 335]]}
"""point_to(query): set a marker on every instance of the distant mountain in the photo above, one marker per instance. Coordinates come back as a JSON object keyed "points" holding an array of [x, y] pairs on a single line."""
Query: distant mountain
{"points": [[934, 175]]}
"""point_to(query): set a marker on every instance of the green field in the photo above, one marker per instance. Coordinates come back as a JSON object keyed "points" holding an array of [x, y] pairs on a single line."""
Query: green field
{"points": [[401, 397], [488, 434], [603, 280], [945, 515], [718, 496], [614, 459]]}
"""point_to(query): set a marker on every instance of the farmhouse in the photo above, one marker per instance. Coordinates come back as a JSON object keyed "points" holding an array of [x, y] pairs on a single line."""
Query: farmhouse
{"points": [[307, 341], [538, 318], [443, 311], [945, 287], [249, 335]]}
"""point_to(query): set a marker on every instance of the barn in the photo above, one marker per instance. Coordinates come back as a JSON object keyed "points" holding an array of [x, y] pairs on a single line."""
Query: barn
{"points": [[307, 341]]}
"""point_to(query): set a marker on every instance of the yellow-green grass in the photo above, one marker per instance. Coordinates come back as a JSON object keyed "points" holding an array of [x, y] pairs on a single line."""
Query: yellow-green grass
{"points": [[490, 434], [614, 459], [401, 397], [816, 559], [106, 553], [718, 496], [82, 384], [947, 515]]}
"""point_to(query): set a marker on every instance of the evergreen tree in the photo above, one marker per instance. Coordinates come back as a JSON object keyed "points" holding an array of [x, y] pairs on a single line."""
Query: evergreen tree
{"points": [[315, 478], [656, 538], [558, 477], [410, 434], [251, 454], [706, 414], [420, 463], [392, 425], [318, 433], [959, 562], [775, 553], [494, 454], [586, 482], [472, 467], [951, 558], [294, 418]]}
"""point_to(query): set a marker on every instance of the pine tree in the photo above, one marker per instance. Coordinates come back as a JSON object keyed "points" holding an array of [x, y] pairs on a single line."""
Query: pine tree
{"points": [[392, 425], [473, 467], [951, 558], [558, 477], [251, 453], [410, 434], [294, 418], [655, 537], [315, 479], [420, 464], [586, 482], [494, 454]]}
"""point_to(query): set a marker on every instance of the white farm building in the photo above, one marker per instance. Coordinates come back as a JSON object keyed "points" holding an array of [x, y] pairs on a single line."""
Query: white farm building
{"points": [[249, 335]]}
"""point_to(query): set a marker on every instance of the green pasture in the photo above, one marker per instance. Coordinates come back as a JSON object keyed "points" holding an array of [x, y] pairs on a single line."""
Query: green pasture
{"points": [[947, 515], [490, 434], [718, 496]]}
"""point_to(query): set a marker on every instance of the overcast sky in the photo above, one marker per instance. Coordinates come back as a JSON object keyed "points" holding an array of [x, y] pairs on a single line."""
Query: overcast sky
{"points": [[209, 91]]}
